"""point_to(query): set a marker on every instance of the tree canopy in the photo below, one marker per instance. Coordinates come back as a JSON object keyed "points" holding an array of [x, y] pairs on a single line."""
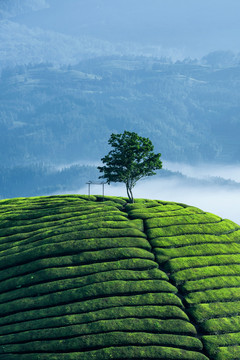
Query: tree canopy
{"points": [[131, 159]]}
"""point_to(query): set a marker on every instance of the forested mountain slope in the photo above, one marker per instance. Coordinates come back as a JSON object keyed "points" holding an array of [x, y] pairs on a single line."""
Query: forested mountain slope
{"points": [[110, 280], [190, 111]]}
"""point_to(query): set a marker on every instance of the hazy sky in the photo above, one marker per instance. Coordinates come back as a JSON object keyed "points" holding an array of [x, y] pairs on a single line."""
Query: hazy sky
{"points": [[194, 27]]}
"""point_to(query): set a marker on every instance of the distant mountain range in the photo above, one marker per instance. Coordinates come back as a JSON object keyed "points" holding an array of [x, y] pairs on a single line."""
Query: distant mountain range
{"points": [[63, 114], [24, 45]]}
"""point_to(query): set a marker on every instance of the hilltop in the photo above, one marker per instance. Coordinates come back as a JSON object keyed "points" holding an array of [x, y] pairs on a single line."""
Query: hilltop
{"points": [[92, 279]]}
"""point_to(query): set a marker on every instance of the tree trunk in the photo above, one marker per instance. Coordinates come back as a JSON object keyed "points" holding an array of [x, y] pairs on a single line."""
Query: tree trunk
{"points": [[130, 194]]}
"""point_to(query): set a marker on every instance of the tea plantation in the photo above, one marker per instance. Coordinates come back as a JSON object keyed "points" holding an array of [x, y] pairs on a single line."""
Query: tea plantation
{"points": [[82, 278]]}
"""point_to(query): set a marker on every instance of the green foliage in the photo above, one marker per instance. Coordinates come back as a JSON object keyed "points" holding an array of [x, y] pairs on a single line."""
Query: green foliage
{"points": [[118, 353], [89, 286], [93, 291], [182, 220], [193, 239], [111, 313], [220, 227], [229, 345], [73, 240], [222, 325], [153, 211], [69, 274], [224, 294], [207, 271], [89, 306], [40, 339], [121, 338], [197, 250], [62, 251], [202, 312], [216, 282], [73, 261], [131, 159], [201, 261], [229, 352]]}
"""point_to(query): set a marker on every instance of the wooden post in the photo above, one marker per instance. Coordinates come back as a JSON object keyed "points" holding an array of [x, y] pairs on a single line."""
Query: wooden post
{"points": [[96, 183]]}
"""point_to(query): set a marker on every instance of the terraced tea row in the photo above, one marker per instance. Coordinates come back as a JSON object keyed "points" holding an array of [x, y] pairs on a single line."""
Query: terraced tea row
{"points": [[78, 279], [201, 254]]}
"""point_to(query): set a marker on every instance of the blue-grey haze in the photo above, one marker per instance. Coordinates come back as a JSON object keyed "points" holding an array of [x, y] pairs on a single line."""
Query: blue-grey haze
{"points": [[73, 71], [193, 28]]}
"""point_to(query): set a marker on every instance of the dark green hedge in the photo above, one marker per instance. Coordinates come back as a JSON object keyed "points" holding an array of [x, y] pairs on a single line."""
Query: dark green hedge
{"points": [[87, 306], [205, 272], [118, 353], [65, 337], [117, 312], [193, 239], [181, 220], [202, 312], [73, 262], [222, 227], [105, 289]]}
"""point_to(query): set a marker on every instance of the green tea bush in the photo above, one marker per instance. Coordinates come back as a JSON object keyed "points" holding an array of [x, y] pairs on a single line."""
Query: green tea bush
{"points": [[86, 257], [205, 272], [104, 289], [53, 274], [118, 353], [212, 342], [229, 352], [199, 250], [115, 199], [201, 261], [73, 262], [225, 294], [143, 213], [118, 338], [16, 315], [222, 325], [216, 282], [83, 244], [73, 221], [65, 217], [181, 220], [59, 285], [117, 312], [194, 239], [40, 340], [221, 227], [202, 312]]}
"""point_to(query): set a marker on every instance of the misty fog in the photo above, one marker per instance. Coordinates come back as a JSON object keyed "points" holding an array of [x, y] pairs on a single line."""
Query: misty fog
{"points": [[205, 170], [220, 199], [193, 28], [65, 88]]}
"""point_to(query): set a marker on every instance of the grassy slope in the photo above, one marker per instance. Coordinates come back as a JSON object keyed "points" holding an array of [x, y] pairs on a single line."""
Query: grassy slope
{"points": [[82, 278]]}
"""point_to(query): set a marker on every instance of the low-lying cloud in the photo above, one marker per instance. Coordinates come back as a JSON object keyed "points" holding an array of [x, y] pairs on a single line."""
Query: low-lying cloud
{"points": [[205, 171], [220, 199], [13, 8]]}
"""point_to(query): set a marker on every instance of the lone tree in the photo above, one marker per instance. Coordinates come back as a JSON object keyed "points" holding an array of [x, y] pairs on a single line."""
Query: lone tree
{"points": [[131, 159]]}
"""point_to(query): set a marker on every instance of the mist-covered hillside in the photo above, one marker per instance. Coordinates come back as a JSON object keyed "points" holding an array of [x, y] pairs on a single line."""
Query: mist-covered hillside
{"points": [[65, 114]]}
